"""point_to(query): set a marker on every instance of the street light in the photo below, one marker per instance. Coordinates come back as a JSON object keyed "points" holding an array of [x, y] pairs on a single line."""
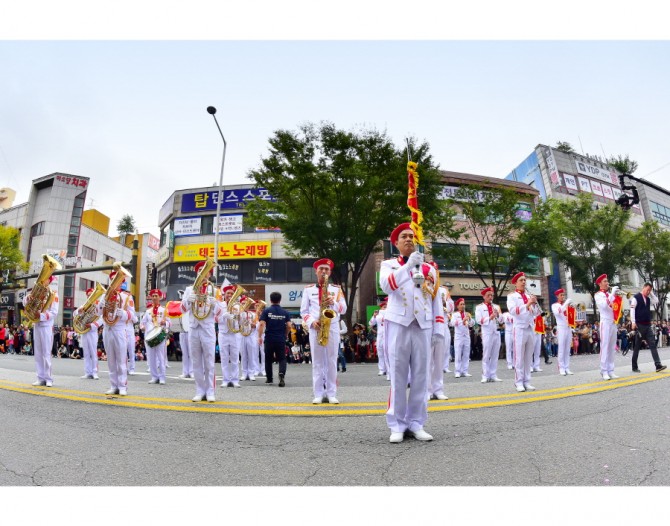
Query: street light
{"points": [[212, 111]]}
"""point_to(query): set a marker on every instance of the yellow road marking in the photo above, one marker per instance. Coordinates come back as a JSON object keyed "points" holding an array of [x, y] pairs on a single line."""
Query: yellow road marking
{"points": [[343, 409]]}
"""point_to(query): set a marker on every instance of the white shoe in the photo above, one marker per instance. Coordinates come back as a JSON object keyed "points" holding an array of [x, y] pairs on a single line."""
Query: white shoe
{"points": [[211, 398], [496, 379], [161, 382], [242, 378], [441, 396], [457, 375], [333, 400], [536, 370], [606, 376], [235, 384], [467, 375], [96, 377], [396, 438], [563, 373], [510, 367], [317, 400], [568, 371], [40, 383], [123, 392], [420, 434], [85, 377], [484, 379], [153, 381], [520, 388], [183, 376], [112, 392], [199, 398], [131, 373], [49, 383], [612, 376], [252, 378], [380, 373], [529, 387], [388, 377]]}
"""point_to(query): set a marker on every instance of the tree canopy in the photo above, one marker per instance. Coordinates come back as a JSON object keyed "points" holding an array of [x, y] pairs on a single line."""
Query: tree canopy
{"points": [[126, 225], [11, 257], [650, 257]]}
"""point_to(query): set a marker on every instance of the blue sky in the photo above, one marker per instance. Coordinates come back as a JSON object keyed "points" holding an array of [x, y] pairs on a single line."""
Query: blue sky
{"points": [[121, 112]]}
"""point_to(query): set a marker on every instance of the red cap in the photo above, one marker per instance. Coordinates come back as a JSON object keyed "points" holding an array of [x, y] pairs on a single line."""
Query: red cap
{"points": [[229, 287], [559, 291], [459, 300], [156, 291], [88, 291], [600, 278], [201, 264], [324, 261], [517, 276], [397, 230], [487, 289]]}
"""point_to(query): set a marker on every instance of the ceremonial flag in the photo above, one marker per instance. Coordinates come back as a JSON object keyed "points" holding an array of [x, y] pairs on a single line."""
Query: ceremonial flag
{"points": [[413, 201], [539, 324], [572, 317], [617, 308]]}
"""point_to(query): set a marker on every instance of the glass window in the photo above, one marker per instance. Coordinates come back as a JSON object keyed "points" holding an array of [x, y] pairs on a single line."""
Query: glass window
{"points": [[207, 225], [37, 229], [248, 271], [71, 250], [660, 213], [85, 284], [293, 270], [279, 270], [89, 253], [449, 258]]}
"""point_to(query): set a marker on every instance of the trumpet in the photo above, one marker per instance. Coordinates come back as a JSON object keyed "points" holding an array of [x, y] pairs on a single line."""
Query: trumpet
{"points": [[626, 293]]}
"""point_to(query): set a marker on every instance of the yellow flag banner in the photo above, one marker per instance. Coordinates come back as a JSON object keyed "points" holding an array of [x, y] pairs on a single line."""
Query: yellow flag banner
{"points": [[413, 201]]}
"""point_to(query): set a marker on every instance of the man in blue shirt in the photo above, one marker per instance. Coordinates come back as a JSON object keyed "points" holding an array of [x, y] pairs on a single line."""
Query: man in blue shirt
{"points": [[275, 323]]}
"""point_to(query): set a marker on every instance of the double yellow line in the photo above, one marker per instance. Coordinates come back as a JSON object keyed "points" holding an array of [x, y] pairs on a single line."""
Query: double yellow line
{"points": [[306, 409]]}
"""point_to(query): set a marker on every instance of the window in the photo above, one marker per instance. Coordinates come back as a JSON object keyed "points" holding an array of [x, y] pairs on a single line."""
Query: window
{"points": [[85, 284], [660, 213], [207, 225], [89, 253], [37, 229], [451, 257]]}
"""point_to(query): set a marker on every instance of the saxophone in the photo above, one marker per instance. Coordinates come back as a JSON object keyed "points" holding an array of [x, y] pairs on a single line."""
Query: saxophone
{"points": [[202, 305], [88, 311], [41, 296], [112, 298], [327, 315]]}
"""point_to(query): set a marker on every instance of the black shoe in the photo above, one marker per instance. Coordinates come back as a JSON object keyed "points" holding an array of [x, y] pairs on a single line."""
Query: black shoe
{"points": [[268, 381], [636, 371], [281, 380], [344, 370], [661, 368], [548, 362]]}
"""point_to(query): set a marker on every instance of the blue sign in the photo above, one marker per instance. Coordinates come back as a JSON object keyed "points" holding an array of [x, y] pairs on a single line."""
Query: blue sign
{"points": [[231, 199]]}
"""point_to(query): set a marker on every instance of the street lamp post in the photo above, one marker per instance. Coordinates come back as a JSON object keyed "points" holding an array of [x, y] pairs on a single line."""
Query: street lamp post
{"points": [[212, 111]]}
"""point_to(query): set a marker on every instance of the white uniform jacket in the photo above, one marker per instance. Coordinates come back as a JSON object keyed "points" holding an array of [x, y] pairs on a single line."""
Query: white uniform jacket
{"points": [[310, 308], [524, 316], [123, 315], [447, 303], [461, 324], [605, 300], [187, 308], [508, 320], [148, 319], [488, 322], [406, 302], [561, 314]]}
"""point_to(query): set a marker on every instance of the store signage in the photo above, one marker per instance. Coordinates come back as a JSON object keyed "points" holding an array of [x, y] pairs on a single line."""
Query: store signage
{"points": [[197, 202], [189, 226], [591, 170], [231, 250]]}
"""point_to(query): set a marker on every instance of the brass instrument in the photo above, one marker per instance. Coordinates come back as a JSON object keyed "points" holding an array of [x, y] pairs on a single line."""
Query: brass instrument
{"points": [[626, 293], [235, 308], [202, 305], [41, 296], [245, 324], [88, 311], [112, 298], [327, 315]]}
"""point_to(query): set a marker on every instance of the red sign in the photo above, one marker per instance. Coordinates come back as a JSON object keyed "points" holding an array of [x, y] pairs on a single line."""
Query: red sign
{"points": [[68, 303]]}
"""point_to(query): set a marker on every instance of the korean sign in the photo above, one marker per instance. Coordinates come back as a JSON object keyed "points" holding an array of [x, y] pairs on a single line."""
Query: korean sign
{"points": [[232, 250], [200, 201]]}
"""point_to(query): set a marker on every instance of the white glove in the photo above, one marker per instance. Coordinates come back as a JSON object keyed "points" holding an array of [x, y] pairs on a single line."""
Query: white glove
{"points": [[568, 302], [119, 313], [43, 316], [614, 291], [436, 338], [415, 258]]}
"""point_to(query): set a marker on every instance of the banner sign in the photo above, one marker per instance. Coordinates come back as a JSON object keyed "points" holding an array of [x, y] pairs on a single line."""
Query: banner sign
{"points": [[230, 224], [591, 170], [232, 250], [187, 227], [200, 201]]}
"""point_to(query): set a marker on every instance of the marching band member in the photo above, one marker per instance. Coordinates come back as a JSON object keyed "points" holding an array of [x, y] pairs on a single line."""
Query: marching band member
{"points": [[202, 307], [316, 300], [487, 315], [130, 337], [448, 305], [43, 335], [229, 343], [413, 321], [438, 349], [114, 337], [523, 308], [89, 344], [564, 333], [378, 321], [508, 320], [537, 351], [249, 345], [186, 361], [154, 317], [608, 329], [461, 321]]}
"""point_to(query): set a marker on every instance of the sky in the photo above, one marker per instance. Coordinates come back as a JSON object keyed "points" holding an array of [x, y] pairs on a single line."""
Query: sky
{"points": [[131, 114]]}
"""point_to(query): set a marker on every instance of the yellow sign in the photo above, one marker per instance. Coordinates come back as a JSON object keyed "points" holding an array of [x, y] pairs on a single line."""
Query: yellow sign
{"points": [[233, 250]]}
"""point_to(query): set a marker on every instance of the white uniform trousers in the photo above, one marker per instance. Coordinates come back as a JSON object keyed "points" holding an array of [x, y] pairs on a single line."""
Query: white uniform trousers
{"points": [[381, 353], [201, 341], [409, 348], [261, 360], [490, 353], [324, 362], [44, 337], [117, 356], [249, 353], [436, 376], [607, 346], [537, 350], [89, 344], [564, 336], [156, 356], [509, 347], [130, 345], [524, 346], [447, 348], [229, 352], [186, 363], [461, 353]]}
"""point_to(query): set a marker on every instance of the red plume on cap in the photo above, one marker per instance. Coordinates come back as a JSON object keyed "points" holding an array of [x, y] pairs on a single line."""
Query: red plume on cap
{"points": [[517, 276], [459, 300], [559, 291], [396, 231], [324, 261], [487, 289], [600, 278]]}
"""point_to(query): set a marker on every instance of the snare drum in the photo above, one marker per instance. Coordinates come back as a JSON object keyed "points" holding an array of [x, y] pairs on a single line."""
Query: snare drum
{"points": [[155, 336]]}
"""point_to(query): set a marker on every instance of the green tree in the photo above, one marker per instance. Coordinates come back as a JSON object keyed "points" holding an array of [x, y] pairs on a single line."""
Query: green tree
{"points": [[623, 163], [565, 147], [590, 240], [494, 236], [11, 258], [126, 225], [651, 258], [339, 192]]}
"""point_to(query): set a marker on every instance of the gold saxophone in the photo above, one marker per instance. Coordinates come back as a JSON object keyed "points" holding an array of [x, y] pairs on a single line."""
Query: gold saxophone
{"points": [[327, 315], [41, 296], [202, 306], [112, 298], [88, 312]]}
